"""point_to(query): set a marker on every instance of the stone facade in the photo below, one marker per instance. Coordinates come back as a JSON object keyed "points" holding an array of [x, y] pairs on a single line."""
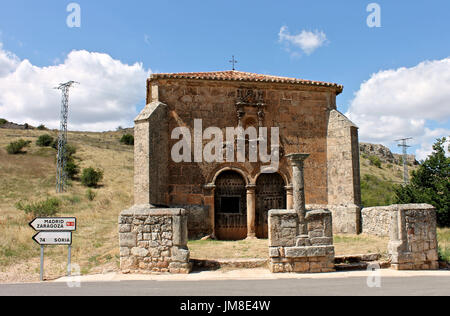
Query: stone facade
{"points": [[153, 240], [305, 113], [413, 240]]}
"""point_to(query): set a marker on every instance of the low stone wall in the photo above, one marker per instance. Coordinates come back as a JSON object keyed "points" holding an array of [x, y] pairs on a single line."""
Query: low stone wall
{"points": [[346, 218], [413, 240], [153, 240], [290, 252], [376, 221]]}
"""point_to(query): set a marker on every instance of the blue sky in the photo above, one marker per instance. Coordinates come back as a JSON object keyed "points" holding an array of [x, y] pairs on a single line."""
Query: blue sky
{"points": [[183, 36]]}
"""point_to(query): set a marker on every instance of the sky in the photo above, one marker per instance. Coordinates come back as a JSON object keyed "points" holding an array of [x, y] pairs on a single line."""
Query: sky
{"points": [[396, 76]]}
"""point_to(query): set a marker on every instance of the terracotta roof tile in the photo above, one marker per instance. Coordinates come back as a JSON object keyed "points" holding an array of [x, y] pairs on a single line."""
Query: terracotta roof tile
{"points": [[234, 75]]}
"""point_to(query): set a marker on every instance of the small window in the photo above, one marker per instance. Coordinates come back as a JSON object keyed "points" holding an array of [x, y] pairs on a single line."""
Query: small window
{"points": [[230, 205]]}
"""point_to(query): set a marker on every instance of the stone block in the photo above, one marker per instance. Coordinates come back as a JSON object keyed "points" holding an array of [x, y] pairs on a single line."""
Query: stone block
{"points": [[180, 255], [139, 252], [321, 241], [274, 252], [128, 240], [124, 251]]}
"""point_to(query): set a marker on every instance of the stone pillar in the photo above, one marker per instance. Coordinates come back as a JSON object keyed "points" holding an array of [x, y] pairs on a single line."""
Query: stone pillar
{"points": [[298, 182], [151, 154], [289, 197], [210, 190], [413, 238], [251, 211]]}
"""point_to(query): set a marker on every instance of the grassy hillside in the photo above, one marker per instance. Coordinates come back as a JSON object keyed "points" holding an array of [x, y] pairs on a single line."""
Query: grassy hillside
{"points": [[378, 180], [31, 177]]}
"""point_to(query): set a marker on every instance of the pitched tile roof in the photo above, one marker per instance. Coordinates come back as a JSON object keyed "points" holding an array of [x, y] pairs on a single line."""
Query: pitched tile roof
{"points": [[233, 75]]}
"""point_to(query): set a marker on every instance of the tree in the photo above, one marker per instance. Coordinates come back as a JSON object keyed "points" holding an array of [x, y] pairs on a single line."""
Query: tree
{"points": [[430, 184]]}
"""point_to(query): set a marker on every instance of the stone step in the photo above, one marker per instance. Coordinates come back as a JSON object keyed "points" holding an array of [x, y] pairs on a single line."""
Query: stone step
{"points": [[357, 258], [355, 266], [215, 264]]}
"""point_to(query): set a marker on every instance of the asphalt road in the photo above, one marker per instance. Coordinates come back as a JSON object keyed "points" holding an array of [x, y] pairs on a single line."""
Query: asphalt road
{"points": [[423, 286]]}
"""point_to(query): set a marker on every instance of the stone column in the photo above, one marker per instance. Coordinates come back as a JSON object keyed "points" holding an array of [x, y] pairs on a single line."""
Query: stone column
{"points": [[298, 182], [210, 190], [289, 197], [251, 211]]}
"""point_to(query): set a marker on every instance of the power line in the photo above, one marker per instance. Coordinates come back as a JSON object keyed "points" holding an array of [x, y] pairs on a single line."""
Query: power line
{"points": [[405, 147], [61, 175]]}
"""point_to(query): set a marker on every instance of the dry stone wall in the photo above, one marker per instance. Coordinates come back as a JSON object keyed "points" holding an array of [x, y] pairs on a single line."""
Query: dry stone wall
{"points": [[376, 221], [153, 240], [413, 241]]}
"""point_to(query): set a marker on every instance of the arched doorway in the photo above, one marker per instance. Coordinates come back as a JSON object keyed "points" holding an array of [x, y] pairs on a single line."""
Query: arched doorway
{"points": [[230, 206], [270, 194]]}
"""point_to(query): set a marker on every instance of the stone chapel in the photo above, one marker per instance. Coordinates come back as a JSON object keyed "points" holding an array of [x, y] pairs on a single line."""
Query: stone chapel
{"points": [[231, 200]]}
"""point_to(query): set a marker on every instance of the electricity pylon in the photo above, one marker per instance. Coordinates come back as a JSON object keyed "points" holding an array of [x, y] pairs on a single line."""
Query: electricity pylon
{"points": [[405, 157], [61, 176]]}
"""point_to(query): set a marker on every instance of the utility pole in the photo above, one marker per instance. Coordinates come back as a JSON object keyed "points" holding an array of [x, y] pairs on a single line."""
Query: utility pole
{"points": [[405, 147], [61, 176]]}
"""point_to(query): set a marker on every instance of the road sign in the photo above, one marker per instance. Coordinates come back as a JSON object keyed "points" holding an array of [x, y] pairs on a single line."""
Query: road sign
{"points": [[53, 238], [54, 224]]}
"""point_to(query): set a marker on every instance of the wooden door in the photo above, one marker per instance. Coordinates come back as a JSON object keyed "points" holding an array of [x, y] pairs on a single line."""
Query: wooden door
{"points": [[230, 206], [270, 195]]}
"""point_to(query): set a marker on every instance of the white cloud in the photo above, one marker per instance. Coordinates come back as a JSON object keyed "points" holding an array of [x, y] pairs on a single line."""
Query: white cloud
{"points": [[107, 97], [307, 41], [405, 102], [8, 62]]}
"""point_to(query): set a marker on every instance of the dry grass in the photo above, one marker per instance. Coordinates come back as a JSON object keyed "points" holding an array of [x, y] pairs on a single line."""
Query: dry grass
{"points": [[344, 245], [31, 177], [444, 243]]}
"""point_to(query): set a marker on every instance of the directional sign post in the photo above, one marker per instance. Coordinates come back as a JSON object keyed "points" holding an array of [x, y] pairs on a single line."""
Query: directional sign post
{"points": [[54, 231], [53, 238], [54, 224]]}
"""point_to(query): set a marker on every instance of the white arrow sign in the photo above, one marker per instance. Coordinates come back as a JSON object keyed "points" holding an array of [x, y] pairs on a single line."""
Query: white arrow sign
{"points": [[53, 238], [54, 224]]}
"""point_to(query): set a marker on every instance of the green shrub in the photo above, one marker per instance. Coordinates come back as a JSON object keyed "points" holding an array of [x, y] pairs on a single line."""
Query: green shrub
{"points": [[375, 161], [91, 177], [90, 195], [45, 141], [49, 207], [42, 127], [71, 169], [15, 148], [3, 121], [376, 192], [127, 139]]}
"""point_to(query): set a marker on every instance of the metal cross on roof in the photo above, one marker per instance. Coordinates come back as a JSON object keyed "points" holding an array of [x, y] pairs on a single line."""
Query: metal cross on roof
{"points": [[233, 62]]}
